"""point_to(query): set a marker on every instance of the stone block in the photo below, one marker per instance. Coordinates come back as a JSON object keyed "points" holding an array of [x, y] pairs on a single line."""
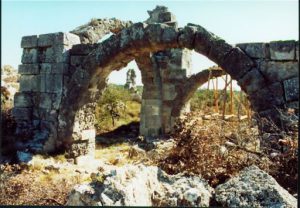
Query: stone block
{"points": [[22, 100], [252, 81], [279, 71], [22, 113], [82, 49], [186, 36], [153, 121], [169, 92], [66, 39], [28, 69], [44, 114], [29, 41], [77, 60], [152, 110], [30, 56], [255, 50], [291, 89], [51, 83], [282, 50], [57, 54], [89, 134], [277, 90], [46, 40], [264, 99], [45, 100], [237, 63], [54, 68], [166, 17], [30, 83]]}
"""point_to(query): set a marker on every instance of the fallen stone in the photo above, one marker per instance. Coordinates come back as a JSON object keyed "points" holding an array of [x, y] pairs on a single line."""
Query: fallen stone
{"points": [[253, 188], [142, 186]]}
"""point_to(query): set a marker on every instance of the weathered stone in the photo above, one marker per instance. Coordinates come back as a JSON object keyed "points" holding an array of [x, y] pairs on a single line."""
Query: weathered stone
{"points": [[77, 60], [282, 50], [22, 113], [294, 105], [253, 188], [66, 39], [46, 40], [252, 81], [54, 68], [29, 41], [82, 49], [168, 92], [57, 54], [30, 56], [263, 99], [129, 186], [291, 89], [279, 71], [30, 83], [51, 83], [237, 63], [28, 69], [22, 100], [255, 50], [88, 134], [186, 37]]}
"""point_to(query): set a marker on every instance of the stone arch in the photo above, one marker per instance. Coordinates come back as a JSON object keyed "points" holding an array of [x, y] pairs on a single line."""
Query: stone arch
{"points": [[57, 94], [142, 39]]}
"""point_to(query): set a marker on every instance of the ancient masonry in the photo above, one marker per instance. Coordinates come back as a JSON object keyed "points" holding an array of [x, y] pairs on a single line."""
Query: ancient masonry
{"points": [[63, 75]]}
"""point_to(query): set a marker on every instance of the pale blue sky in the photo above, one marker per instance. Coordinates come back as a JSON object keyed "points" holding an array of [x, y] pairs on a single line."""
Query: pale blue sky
{"points": [[234, 21]]}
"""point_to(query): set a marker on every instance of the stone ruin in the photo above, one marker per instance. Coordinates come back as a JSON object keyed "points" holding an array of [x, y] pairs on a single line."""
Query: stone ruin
{"points": [[130, 81], [64, 74]]}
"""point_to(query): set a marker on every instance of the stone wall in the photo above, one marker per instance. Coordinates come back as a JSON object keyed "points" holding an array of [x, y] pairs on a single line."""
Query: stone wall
{"points": [[274, 84], [44, 68]]}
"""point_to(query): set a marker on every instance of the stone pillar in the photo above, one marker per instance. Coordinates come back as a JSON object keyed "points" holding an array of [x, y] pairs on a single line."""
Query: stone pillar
{"points": [[162, 77], [45, 61]]}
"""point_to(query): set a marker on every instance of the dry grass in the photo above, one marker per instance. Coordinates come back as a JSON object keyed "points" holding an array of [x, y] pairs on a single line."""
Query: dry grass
{"points": [[218, 150]]}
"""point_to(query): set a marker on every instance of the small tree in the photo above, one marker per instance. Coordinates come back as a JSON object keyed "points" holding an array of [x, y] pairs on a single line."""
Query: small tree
{"points": [[112, 103]]}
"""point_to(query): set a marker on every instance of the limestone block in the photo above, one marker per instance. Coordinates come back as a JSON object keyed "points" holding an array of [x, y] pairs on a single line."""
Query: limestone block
{"points": [[186, 36], [152, 110], [252, 81], [282, 50], [22, 100], [82, 49], [66, 38], [30, 83], [215, 48], [89, 134], [77, 60], [263, 99], [30, 56], [46, 40], [278, 71], [54, 68], [169, 92], [153, 121], [237, 63], [277, 90], [45, 114], [153, 102], [255, 50], [28, 69], [51, 83], [166, 17], [45, 100], [22, 113], [291, 89], [57, 54], [29, 41]]}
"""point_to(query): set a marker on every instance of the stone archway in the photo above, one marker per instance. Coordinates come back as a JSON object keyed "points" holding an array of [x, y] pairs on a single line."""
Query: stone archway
{"points": [[266, 72]]}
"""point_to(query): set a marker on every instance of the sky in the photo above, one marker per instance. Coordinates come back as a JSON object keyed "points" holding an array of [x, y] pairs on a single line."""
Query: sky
{"points": [[235, 21]]}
